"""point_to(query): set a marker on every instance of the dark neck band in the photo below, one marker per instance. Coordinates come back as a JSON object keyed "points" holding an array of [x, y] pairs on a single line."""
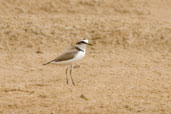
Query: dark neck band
{"points": [[79, 49]]}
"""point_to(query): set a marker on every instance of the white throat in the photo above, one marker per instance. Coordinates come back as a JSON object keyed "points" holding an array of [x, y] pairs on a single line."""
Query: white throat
{"points": [[82, 46]]}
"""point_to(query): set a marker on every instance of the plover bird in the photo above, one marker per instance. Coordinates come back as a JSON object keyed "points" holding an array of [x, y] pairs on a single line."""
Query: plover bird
{"points": [[71, 56]]}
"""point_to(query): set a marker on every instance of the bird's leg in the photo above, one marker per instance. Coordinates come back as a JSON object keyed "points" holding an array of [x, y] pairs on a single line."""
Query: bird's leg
{"points": [[71, 67], [66, 75]]}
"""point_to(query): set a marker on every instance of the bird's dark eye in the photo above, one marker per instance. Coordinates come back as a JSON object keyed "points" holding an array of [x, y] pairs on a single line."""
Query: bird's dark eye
{"points": [[83, 42]]}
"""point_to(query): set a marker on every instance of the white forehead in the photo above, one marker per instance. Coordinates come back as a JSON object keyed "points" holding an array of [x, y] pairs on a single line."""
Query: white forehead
{"points": [[85, 40]]}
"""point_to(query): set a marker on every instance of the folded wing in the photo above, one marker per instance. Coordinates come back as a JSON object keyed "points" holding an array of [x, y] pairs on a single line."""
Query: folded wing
{"points": [[70, 54]]}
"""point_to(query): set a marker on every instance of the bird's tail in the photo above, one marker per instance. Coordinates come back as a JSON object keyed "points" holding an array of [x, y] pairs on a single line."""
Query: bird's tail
{"points": [[46, 63]]}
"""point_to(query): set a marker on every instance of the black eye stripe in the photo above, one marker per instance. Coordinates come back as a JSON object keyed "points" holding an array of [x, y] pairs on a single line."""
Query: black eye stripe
{"points": [[82, 42]]}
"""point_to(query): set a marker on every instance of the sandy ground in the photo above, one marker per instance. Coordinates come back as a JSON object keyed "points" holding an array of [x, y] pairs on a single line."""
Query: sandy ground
{"points": [[126, 71]]}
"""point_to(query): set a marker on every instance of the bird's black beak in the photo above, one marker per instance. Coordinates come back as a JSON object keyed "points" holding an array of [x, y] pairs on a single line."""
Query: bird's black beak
{"points": [[90, 44]]}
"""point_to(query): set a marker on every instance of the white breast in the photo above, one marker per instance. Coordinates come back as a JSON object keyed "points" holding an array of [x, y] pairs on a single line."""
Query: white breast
{"points": [[79, 55]]}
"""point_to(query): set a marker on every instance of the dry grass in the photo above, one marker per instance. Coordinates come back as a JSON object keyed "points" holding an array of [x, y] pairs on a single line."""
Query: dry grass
{"points": [[126, 71]]}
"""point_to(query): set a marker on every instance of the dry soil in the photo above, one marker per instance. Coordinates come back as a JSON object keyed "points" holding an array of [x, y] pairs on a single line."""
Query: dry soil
{"points": [[126, 71]]}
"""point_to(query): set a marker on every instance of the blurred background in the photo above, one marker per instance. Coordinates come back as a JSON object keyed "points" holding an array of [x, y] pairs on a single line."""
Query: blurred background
{"points": [[126, 71]]}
